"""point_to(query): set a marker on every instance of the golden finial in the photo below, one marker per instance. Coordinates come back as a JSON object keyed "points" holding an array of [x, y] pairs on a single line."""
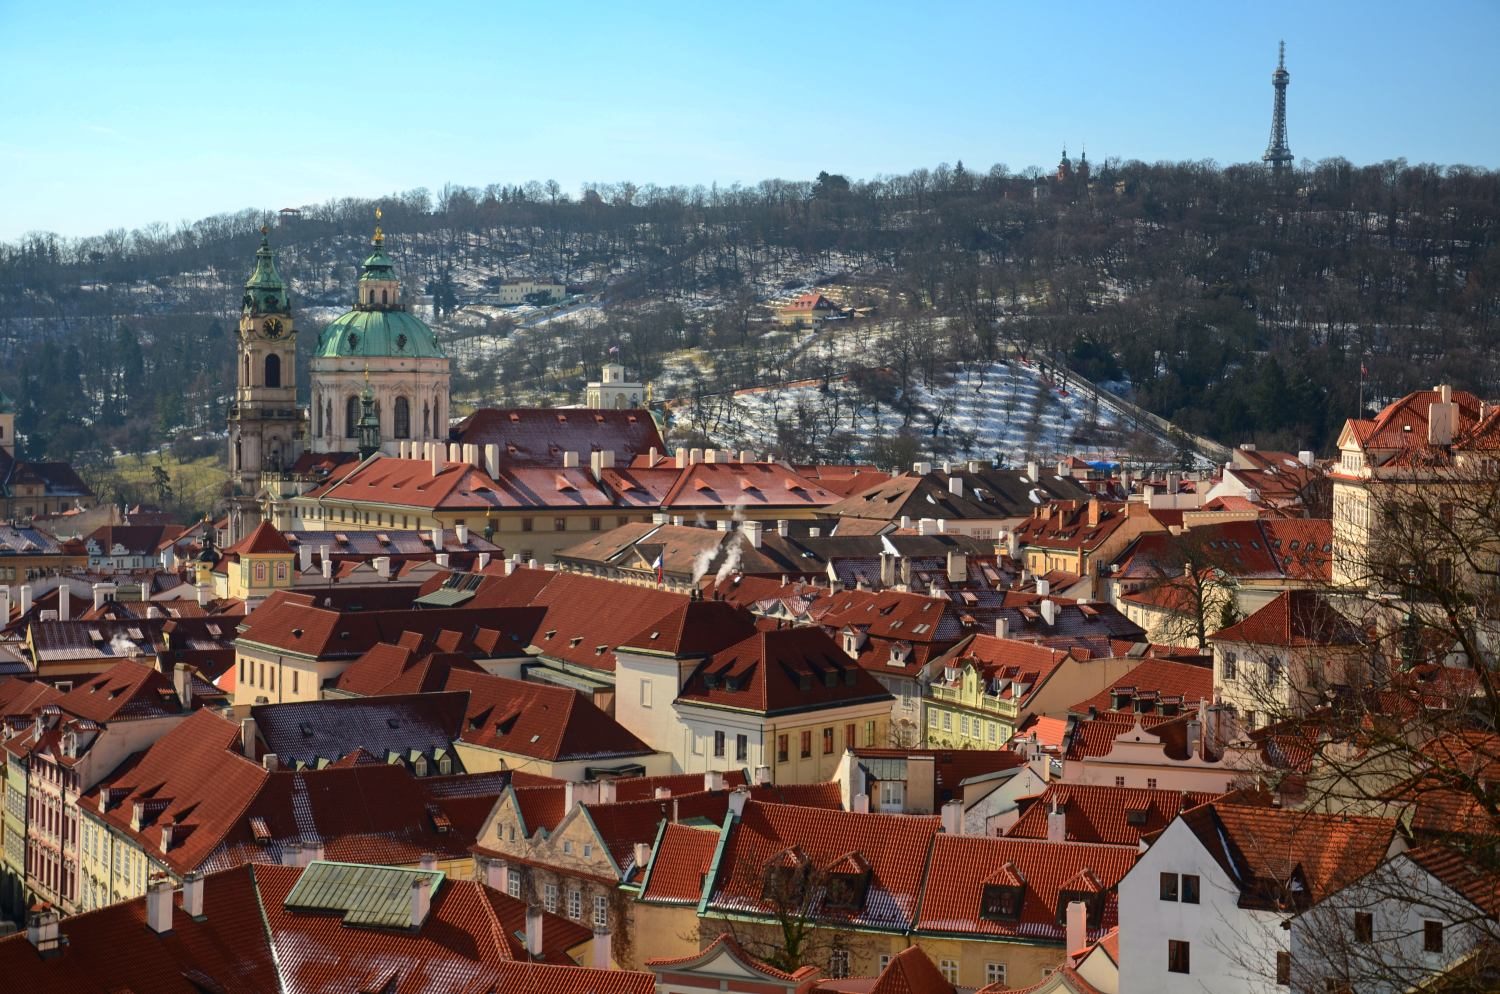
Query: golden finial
{"points": [[379, 235], [265, 229]]}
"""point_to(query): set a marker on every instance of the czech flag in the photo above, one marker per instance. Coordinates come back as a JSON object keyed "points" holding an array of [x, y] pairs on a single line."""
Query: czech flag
{"points": [[658, 567]]}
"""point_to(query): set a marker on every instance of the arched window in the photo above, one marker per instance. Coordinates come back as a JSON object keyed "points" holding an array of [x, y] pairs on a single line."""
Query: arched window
{"points": [[318, 413], [328, 418], [426, 419], [403, 418], [351, 417], [273, 370], [383, 300]]}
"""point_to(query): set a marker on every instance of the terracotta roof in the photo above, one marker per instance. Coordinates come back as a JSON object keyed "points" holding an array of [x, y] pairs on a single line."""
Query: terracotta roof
{"points": [[911, 972], [125, 691], [538, 720], [539, 436], [136, 540], [23, 697], [756, 485], [1069, 525], [1012, 670], [307, 733], [987, 494], [265, 540], [1096, 736], [1479, 886], [727, 942], [962, 866], [413, 666], [1116, 816], [1295, 618], [1151, 683], [1274, 854], [781, 671], [895, 846], [680, 862], [1403, 422]]}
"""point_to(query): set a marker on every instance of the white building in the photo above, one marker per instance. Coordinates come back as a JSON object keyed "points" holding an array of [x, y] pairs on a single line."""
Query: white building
{"points": [[613, 391]]}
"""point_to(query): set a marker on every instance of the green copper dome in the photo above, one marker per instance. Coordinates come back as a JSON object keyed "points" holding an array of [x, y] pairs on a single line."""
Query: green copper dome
{"points": [[264, 291], [377, 266], [378, 334]]}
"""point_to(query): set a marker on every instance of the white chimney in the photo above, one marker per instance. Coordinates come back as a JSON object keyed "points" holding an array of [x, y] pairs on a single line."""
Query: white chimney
{"points": [[953, 817], [192, 894], [737, 799], [441, 559], [783, 527], [271, 762], [921, 468], [510, 565], [471, 455], [429, 861], [461, 532], [103, 593], [1057, 823], [205, 594], [651, 456], [607, 791], [1002, 628], [1305, 457], [642, 855], [42, 930], [182, 682], [662, 792], [958, 567], [437, 459], [1043, 587], [483, 561], [762, 775], [159, 906], [291, 854], [534, 932], [327, 564], [1078, 927], [1034, 471], [455, 452], [695, 456], [304, 557], [754, 530], [492, 460], [1049, 612], [25, 598], [956, 485], [421, 900], [682, 458], [713, 780], [247, 736], [861, 803], [382, 566], [726, 524], [166, 837], [4, 606], [64, 602], [570, 460]]}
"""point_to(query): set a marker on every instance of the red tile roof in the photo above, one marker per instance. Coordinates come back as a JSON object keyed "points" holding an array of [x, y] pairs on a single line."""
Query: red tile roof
{"points": [[126, 691], [895, 846], [414, 666], [758, 485], [728, 943], [1069, 525], [963, 865], [265, 540], [1295, 618], [1116, 816], [911, 972], [1154, 680], [781, 671], [679, 863], [538, 720], [1478, 885], [539, 436]]}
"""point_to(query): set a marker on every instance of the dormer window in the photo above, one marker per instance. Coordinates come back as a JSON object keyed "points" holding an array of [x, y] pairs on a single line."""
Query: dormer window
{"points": [[848, 881], [1001, 903], [785, 877], [1093, 901]]}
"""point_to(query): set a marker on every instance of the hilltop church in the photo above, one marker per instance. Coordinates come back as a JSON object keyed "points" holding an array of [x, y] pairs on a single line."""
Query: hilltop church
{"points": [[379, 378]]}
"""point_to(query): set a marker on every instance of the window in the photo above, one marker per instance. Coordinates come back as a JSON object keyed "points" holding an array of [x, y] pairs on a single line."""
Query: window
{"points": [[947, 721], [806, 744], [1284, 969], [549, 898], [1177, 956], [892, 795], [1432, 936], [1190, 888], [273, 370], [596, 524], [1150, 783], [870, 732], [567, 847], [838, 963], [742, 747], [294, 681], [783, 745], [1364, 927], [351, 417], [1273, 672], [588, 850], [1231, 665], [645, 693], [849, 742], [992, 730], [575, 904], [403, 418], [601, 912], [949, 970], [932, 719], [994, 973], [513, 883], [1169, 886], [559, 524], [885, 961], [526, 524], [719, 744], [828, 741], [1119, 781]]}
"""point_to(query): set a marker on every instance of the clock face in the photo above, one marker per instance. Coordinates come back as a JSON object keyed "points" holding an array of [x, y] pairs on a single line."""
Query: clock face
{"points": [[272, 328]]}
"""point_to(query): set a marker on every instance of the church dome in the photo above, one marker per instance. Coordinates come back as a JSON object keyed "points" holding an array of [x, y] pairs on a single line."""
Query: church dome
{"points": [[370, 334]]}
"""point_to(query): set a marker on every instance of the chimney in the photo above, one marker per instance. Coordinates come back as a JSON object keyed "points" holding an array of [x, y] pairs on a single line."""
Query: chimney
{"points": [[1043, 588], [956, 486], [205, 594], [753, 530], [958, 567], [1057, 823], [601, 948], [437, 459], [682, 458], [192, 895], [726, 524], [1049, 612], [482, 561], [737, 799], [42, 930], [642, 855], [441, 559], [247, 737], [861, 803], [4, 606], [1194, 738], [1305, 457], [887, 570], [291, 854], [1034, 471], [25, 598], [921, 468], [583, 792], [182, 682], [103, 593], [534, 931], [64, 602], [271, 762], [327, 564], [382, 566], [695, 456], [953, 817], [461, 533], [429, 861], [711, 456], [304, 557], [783, 527], [570, 460], [492, 460], [1078, 931], [713, 780], [905, 522], [510, 565], [455, 452], [159, 906], [421, 900], [1002, 628], [762, 775], [663, 792], [651, 456], [814, 532], [1093, 512], [747, 456]]}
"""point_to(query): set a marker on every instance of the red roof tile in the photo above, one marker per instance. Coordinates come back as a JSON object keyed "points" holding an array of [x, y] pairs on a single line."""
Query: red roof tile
{"points": [[778, 671], [1116, 816], [265, 540], [540, 436], [1155, 680], [911, 972], [1295, 618], [681, 860], [539, 720]]}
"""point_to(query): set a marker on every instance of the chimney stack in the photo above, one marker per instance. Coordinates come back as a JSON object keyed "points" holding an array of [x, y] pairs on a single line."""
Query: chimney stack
{"points": [[1043, 587], [429, 861], [421, 900], [327, 564], [64, 602], [25, 598], [1002, 628], [43, 932], [958, 566], [182, 682], [437, 459], [713, 780], [1078, 930], [737, 799], [159, 906], [441, 559], [762, 775], [642, 855], [754, 530], [492, 460], [1049, 612], [1057, 823], [956, 485], [861, 803], [247, 736], [271, 762], [534, 931], [304, 557], [461, 532], [1093, 512], [953, 817], [291, 854], [483, 561], [192, 895], [382, 566]]}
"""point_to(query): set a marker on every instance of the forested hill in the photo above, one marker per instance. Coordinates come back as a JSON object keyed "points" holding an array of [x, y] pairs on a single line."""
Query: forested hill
{"points": [[1238, 308]]}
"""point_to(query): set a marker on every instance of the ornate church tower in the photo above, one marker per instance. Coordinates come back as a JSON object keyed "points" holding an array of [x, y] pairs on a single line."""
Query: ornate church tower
{"points": [[265, 426]]}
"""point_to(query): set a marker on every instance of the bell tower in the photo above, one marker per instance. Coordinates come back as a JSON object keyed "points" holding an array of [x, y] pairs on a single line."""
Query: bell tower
{"points": [[265, 426]]}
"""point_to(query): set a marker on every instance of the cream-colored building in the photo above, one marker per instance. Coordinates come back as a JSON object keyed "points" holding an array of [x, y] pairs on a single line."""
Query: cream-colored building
{"points": [[516, 291], [614, 390]]}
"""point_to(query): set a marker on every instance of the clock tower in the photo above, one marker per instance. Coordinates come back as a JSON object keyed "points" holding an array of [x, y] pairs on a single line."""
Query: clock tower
{"points": [[265, 425]]}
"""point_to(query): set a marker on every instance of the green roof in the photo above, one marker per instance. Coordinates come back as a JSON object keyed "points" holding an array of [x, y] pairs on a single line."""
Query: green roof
{"points": [[378, 896], [264, 291], [378, 334], [378, 266]]}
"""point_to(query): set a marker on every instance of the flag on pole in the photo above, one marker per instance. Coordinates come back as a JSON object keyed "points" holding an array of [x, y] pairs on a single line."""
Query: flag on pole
{"points": [[1363, 369], [614, 350], [659, 568]]}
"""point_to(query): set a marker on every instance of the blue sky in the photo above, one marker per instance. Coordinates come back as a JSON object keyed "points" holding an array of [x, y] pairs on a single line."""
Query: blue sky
{"points": [[121, 114]]}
